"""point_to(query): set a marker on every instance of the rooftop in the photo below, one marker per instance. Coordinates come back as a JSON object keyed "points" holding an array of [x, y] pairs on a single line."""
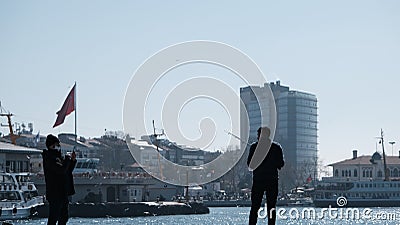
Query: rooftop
{"points": [[10, 148], [366, 160]]}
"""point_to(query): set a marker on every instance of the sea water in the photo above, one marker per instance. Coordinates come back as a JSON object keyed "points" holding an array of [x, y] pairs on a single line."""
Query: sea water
{"points": [[239, 215]]}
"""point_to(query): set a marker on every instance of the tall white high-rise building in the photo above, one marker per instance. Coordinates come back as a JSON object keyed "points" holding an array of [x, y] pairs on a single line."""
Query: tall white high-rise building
{"points": [[296, 128]]}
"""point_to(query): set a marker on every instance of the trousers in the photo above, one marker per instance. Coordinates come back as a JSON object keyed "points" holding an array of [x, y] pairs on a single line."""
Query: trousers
{"points": [[270, 187], [58, 212]]}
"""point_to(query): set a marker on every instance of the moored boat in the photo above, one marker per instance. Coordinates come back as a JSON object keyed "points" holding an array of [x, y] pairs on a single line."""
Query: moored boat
{"points": [[18, 196], [373, 193], [362, 181]]}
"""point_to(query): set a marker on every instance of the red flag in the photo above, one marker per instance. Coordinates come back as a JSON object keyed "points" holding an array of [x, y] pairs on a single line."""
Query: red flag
{"points": [[67, 108], [309, 179]]}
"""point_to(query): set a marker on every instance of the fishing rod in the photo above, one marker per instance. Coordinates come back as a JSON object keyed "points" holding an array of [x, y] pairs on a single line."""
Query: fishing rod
{"points": [[237, 137]]}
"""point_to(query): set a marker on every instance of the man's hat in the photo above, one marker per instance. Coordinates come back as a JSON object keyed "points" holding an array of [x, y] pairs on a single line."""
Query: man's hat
{"points": [[51, 139]]}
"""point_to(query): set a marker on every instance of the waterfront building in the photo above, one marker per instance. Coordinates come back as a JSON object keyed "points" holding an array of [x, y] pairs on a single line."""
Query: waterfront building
{"points": [[360, 182], [16, 159], [179, 154], [365, 168], [148, 153]]}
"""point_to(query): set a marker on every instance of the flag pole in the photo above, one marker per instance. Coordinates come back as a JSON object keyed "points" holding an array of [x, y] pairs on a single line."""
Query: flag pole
{"points": [[76, 136]]}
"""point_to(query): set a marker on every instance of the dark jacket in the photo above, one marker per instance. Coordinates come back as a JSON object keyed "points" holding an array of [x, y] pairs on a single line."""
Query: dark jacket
{"points": [[268, 169], [58, 175]]}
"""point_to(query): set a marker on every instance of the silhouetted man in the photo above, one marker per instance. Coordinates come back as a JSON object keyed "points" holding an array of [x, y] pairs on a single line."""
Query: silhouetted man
{"points": [[59, 180], [265, 163]]}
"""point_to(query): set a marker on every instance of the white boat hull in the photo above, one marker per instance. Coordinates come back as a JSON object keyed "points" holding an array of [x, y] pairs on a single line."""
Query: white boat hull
{"points": [[20, 213]]}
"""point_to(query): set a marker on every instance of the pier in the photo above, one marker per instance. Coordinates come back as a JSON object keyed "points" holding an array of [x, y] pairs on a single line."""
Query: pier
{"points": [[131, 209]]}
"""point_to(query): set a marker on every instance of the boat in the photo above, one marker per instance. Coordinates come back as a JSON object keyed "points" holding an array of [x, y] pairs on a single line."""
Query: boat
{"points": [[96, 186], [297, 197], [118, 194], [292, 202], [228, 203], [373, 193], [362, 181], [18, 196], [86, 166]]}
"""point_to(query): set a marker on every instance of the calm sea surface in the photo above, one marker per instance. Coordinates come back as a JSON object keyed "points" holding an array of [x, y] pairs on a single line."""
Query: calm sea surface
{"points": [[240, 216]]}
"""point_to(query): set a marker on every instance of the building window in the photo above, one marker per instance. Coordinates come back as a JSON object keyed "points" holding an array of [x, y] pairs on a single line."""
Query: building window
{"points": [[367, 173], [395, 172], [342, 173], [347, 173], [336, 173], [355, 173], [379, 173]]}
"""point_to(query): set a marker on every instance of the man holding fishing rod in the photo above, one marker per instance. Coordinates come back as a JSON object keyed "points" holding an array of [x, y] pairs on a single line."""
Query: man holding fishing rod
{"points": [[265, 159]]}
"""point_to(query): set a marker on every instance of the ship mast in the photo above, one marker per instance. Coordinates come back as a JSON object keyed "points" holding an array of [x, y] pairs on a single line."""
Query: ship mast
{"points": [[156, 143], [384, 158], [7, 114]]}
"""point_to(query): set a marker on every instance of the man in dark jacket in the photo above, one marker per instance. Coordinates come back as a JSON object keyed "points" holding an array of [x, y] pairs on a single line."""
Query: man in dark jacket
{"points": [[265, 164], [59, 180]]}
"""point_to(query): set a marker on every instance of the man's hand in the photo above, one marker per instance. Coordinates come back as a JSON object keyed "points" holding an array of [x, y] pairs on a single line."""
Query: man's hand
{"points": [[73, 156]]}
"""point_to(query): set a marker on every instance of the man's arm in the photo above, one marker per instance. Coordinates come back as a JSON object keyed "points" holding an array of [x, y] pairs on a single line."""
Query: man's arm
{"points": [[280, 161], [72, 163]]}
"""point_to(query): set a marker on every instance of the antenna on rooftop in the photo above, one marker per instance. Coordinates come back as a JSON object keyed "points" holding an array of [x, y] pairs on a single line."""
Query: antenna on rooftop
{"points": [[384, 157]]}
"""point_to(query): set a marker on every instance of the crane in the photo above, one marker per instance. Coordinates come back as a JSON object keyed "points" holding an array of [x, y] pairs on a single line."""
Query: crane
{"points": [[5, 113]]}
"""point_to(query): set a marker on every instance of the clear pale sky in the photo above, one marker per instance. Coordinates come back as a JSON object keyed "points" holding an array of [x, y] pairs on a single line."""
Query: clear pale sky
{"points": [[345, 52]]}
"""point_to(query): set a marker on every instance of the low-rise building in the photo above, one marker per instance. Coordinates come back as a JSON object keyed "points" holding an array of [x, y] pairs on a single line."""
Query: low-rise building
{"points": [[366, 167], [14, 158]]}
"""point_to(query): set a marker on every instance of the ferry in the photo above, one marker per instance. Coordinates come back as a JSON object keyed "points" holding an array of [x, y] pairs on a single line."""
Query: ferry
{"points": [[96, 186], [373, 193], [18, 196], [86, 165], [362, 181]]}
